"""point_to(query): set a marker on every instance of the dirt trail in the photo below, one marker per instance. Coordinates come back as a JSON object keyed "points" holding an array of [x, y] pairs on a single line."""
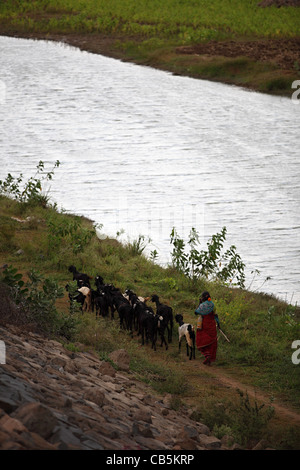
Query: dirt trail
{"points": [[216, 378], [253, 392]]}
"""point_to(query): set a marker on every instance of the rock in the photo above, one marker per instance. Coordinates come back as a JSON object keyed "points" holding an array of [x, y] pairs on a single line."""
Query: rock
{"points": [[143, 415], [53, 399], [37, 418], [236, 447], [121, 358], [94, 395], [11, 425], [106, 368], [203, 429], [209, 442], [261, 445], [191, 432]]}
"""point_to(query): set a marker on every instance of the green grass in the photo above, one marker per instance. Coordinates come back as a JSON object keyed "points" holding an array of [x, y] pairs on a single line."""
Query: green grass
{"points": [[184, 20]]}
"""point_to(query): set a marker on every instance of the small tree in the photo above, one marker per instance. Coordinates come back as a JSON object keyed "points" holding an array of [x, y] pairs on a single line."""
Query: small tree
{"points": [[30, 192], [211, 263]]}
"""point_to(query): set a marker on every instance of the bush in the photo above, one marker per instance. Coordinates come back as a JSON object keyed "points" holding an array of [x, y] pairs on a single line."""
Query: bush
{"points": [[37, 297]]}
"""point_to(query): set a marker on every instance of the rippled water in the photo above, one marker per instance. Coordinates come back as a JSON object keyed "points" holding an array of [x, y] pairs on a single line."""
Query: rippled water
{"points": [[143, 151]]}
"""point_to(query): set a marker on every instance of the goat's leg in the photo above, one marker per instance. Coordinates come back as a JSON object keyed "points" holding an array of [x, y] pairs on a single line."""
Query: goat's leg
{"points": [[171, 330], [163, 339]]}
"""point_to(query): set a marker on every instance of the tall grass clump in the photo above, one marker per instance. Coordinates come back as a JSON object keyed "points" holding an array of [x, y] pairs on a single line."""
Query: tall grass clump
{"points": [[243, 420]]}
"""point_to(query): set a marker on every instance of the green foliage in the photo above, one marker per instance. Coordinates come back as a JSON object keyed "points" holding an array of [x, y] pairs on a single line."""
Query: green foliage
{"points": [[7, 234], [14, 280], [136, 247], [212, 263], [70, 231], [244, 420], [30, 193], [184, 20], [37, 297], [249, 420]]}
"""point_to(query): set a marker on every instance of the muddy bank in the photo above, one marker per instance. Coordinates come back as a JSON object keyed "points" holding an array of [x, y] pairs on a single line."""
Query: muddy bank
{"points": [[285, 53]]}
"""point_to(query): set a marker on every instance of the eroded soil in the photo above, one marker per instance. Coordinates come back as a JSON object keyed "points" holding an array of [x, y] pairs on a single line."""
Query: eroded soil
{"points": [[285, 53]]}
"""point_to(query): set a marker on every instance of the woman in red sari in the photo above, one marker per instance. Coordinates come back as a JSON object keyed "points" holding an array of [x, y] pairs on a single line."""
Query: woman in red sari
{"points": [[206, 336]]}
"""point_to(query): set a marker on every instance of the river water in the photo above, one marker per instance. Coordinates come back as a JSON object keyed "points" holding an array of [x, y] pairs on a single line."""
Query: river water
{"points": [[142, 151]]}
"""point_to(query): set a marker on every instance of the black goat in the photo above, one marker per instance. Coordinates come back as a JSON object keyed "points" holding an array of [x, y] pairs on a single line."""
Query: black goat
{"points": [[124, 309], [138, 304], [148, 323], [187, 330], [166, 312], [81, 278]]}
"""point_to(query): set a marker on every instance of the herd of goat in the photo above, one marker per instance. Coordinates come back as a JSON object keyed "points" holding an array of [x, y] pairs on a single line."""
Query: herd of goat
{"points": [[134, 313]]}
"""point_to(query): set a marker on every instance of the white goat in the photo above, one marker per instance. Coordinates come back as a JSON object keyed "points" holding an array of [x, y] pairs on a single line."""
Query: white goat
{"points": [[87, 304], [187, 330]]}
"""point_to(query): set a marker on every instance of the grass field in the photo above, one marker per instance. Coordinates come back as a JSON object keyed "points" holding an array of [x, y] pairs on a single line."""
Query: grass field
{"points": [[182, 20], [150, 32]]}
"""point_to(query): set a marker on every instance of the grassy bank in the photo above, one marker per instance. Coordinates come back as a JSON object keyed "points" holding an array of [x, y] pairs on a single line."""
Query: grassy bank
{"points": [[164, 35], [35, 237]]}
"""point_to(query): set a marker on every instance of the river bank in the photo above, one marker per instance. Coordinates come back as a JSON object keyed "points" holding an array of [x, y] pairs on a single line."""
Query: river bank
{"points": [[252, 45], [267, 66]]}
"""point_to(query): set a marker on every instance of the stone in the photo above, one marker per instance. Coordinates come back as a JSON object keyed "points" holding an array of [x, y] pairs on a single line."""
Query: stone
{"points": [[11, 425], [54, 399], [37, 418], [121, 358], [210, 442], [143, 415], [94, 395], [191, 432], [203, 429], [106, 368]]}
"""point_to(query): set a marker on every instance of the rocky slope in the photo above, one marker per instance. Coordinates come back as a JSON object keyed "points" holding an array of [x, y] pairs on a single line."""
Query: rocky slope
{"points": [[51, 398]]}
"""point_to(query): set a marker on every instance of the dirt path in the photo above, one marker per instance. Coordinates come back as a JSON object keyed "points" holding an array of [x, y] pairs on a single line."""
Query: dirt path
{"points": [[224, 380], [203, 378]]}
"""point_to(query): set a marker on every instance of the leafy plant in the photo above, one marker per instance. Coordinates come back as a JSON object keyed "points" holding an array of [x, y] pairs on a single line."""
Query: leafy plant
{"points": [[30, 192], [71, 231], [38, 296], [137, 246], [249, 420], [213, 263]]}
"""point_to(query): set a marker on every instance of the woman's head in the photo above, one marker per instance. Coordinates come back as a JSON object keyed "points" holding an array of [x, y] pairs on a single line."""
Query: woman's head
{"points": [[205, 296]]}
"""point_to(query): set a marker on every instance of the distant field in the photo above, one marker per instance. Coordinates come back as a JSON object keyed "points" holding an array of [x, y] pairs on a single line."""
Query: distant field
{"points": [[185, 21]]}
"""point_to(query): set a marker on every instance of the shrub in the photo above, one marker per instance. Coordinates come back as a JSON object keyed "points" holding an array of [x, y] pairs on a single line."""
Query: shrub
{"points": [[30, 193], [37, 298]]}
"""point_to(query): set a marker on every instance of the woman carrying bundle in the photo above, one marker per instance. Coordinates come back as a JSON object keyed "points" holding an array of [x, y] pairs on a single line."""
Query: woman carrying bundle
{"points": [[206, 336]]}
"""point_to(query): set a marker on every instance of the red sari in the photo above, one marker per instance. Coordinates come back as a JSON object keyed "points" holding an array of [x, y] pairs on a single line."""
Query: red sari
{"points": [[206, 338]]}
